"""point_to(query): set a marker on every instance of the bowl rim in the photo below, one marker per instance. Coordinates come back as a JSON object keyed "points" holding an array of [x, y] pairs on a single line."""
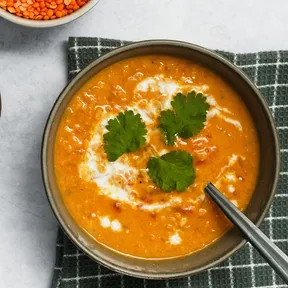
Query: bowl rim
{"points": [[77, 77], [48, 23]]}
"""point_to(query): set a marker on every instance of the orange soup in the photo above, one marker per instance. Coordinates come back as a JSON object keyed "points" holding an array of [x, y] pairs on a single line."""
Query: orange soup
{"points": [[116, 202]]}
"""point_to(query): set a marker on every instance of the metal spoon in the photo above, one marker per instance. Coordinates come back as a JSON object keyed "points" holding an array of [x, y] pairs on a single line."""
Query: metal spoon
{"points": [[277, 259]]}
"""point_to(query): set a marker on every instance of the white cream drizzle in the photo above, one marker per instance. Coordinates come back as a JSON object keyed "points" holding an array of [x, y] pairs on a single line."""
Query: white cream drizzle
{"points": [[175, 239], [216, 112], [166, 87], [231, 188], [99, 170], [114, 225], [227, 176]]}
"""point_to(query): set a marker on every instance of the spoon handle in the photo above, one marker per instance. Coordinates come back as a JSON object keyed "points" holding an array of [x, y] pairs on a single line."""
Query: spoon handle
{"points": [[273, 255]]}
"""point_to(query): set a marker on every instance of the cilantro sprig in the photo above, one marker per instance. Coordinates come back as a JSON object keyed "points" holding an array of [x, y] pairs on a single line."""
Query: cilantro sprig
{"points": [[187, 119], [126, 133], [172, 171]]}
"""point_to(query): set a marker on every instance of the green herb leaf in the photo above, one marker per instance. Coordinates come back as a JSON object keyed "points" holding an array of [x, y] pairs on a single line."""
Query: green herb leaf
{"points": [[172, 171], [187, 119], [126, 134]]}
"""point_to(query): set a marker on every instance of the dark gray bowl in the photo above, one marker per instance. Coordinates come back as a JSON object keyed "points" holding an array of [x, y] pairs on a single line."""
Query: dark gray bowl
{"points": [[232, 240]]}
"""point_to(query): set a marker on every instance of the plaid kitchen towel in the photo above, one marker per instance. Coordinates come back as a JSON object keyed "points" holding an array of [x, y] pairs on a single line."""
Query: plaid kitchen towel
{"points": [[269, 70]]}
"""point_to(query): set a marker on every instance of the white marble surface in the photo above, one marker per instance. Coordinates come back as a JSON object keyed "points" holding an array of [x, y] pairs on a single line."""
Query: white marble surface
{"points": [[33, 71]]}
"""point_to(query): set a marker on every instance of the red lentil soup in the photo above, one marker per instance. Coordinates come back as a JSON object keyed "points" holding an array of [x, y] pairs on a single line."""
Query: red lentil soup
{"points": [[116, 202]]}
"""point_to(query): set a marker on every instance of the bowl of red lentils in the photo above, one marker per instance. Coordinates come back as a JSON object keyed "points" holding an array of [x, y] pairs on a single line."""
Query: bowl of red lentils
{"points": [[44, 13]]}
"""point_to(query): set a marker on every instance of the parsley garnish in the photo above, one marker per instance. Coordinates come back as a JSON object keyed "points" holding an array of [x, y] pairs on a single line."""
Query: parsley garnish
{"points": [[188, 116], [126, 134], [172, 171]]}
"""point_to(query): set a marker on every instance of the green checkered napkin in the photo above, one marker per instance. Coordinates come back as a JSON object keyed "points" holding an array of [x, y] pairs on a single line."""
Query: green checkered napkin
{"points": [[269, 70]]}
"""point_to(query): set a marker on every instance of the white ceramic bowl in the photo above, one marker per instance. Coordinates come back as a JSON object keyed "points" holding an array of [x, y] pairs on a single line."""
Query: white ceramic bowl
{"points": [[48, 23]]}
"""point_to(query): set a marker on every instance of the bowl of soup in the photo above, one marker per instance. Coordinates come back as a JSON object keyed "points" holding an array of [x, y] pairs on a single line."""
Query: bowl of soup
{"points": [[132, 141]]}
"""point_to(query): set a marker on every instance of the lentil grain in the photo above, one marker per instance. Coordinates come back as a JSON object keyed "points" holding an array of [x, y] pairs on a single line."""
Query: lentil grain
{"points": [[41, 9]]}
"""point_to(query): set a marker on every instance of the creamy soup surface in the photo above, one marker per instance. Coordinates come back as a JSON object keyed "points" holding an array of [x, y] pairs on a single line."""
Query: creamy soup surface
{"points": [[116, 202]]}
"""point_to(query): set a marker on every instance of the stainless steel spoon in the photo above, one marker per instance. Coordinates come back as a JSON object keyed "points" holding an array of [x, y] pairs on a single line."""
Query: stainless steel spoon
{"points": [[277, 259]]}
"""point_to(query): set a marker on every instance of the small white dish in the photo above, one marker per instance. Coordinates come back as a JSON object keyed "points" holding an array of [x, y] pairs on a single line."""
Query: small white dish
{"points": [[48, 23]]}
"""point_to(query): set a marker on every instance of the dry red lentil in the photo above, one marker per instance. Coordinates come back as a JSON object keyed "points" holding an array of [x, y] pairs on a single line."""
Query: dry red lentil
{"points": [[41, 9]]}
